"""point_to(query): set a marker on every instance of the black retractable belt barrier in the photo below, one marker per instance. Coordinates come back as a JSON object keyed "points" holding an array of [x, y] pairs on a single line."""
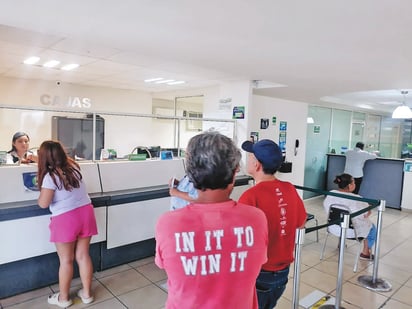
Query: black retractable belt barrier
{"points": [[370, 282]]}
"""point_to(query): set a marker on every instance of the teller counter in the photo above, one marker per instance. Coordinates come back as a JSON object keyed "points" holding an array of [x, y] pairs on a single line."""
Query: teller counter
{"points": [[128, 197], [383, 178]]}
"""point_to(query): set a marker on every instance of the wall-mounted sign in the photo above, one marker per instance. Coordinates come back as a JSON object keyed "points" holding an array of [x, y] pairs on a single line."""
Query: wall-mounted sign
{"points": [[283, 126], [264, 123], [282, 141], [225, 104], [254, 136], [316, 129], [273, 120], [30, 181], [238, 112], [73, 102]]}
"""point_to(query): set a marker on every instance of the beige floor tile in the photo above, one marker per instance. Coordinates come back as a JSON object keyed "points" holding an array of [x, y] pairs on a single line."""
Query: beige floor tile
{"points": [[310, 258], [152, 272], [124, 282], [111, 271], [331, 267], [108, 304], [147, 297], [303, 268], [36, 303], [401, 263], [389, 273], [364, 298], [349, 260], [162, 284], [404, 294], [393, 304], [283, 303], [141, 262], [319, 280], [24, 297], [304, 290], [409, 282]]}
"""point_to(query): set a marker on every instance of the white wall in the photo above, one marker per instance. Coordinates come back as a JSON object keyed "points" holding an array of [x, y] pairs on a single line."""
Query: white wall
{"points": [[124, 134], [236, 93], [295, 114]]}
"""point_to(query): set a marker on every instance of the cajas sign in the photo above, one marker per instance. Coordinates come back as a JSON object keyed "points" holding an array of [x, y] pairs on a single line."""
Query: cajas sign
{"points": [[73, 102]]}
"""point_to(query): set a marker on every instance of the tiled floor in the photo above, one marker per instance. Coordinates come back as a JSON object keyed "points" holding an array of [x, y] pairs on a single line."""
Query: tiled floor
{"points": [[141, 284]]}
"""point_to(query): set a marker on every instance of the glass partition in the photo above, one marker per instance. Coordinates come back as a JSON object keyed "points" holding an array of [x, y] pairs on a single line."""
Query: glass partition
{"points": [[317, 145], [340, 130], [102, 135], [336, 130]]}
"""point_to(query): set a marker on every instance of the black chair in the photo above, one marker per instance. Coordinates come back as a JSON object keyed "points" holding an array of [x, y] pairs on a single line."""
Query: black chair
{"points": [[312, 217], [336, 212]]}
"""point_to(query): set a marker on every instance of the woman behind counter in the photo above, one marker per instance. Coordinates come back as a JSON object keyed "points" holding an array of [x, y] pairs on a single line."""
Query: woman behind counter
{"points": [[20, 149]]}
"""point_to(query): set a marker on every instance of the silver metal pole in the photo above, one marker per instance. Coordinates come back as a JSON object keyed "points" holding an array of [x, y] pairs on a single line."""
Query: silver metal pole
{"points": [[344, 226], [94, 137], [381, 209], [299, 241], [373, 282]]}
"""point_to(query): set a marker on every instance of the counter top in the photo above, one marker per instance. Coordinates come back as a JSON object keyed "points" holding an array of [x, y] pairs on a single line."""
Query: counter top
{"points": [[378, 158], [23, 209]]}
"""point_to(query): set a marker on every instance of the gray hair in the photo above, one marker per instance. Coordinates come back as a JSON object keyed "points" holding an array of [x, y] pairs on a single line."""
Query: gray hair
{"points": [[212, 160]]}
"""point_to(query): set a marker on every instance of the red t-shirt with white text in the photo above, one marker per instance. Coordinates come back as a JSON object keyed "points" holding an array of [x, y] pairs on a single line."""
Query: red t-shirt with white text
{"points": [[212, 254], [285, 213]]}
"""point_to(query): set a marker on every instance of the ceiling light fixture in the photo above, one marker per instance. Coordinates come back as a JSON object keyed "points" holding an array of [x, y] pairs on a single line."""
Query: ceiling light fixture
{"points": [[31, 60], [150, 80], [51, 63], [69, 67], [178, 82], [164, 81], [402, 111]]}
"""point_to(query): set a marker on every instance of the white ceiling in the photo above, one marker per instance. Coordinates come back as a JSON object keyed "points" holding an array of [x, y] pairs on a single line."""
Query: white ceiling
{"points": [[350, 52]]}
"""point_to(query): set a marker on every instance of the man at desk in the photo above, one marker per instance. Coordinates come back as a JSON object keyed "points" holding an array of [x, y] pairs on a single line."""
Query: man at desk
{"points": [[355, 160]]}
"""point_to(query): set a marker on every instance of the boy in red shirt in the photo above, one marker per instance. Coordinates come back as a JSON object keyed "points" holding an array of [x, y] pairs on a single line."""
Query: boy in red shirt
{"points": [[285, 213]]}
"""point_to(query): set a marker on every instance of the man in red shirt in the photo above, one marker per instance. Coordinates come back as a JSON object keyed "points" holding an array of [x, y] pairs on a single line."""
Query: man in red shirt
{"points": [[212, 250], [284, 211]]}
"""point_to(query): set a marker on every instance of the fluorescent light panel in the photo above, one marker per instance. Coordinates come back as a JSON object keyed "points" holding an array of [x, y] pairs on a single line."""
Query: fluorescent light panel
{"points": [[69, 67], [31, 60], [161, 80], [178, 82], [164, 81], [150, 80], [51, 63]]}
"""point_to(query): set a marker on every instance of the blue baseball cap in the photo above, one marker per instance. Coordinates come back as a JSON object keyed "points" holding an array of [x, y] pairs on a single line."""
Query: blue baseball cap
{"points": [[266, 151]]}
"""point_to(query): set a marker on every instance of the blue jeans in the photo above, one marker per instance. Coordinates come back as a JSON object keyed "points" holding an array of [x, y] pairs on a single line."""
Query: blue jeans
{"points": [[371, 236], [270, 285]]}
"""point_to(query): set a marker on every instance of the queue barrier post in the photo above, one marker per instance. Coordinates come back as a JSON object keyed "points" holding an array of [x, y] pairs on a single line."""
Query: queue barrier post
{"points": [[344, 226], [299, 241], [373, 282]]}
